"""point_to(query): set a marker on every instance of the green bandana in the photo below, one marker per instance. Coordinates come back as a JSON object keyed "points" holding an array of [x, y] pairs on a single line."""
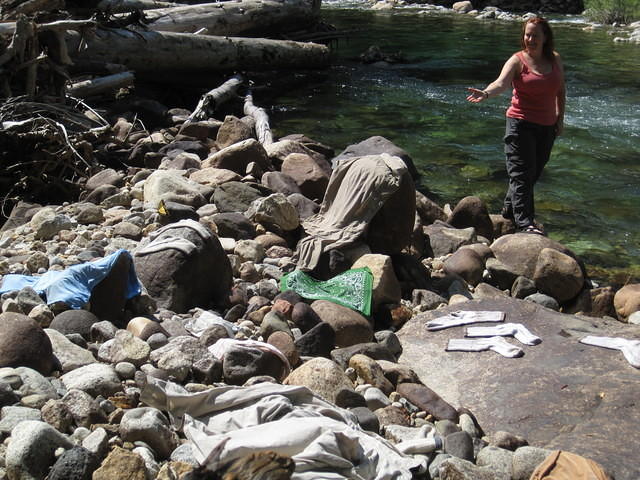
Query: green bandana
{"points": [[352, 289]]}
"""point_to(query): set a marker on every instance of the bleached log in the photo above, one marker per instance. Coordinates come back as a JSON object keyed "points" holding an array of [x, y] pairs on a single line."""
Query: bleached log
{"points": [[263, 130], [211, 100], [100, 85], [181, 53], [118, 6], [236, 18]]}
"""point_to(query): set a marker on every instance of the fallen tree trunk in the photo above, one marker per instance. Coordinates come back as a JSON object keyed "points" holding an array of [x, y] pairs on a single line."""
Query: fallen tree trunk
{"points": [[154, 52], [214, 98], [236, 18], [100, 85], [117, 6], [263, 130]]}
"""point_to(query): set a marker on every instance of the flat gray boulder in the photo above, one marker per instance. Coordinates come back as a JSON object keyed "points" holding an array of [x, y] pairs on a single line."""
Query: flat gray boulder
{"points": [[560, 395]]}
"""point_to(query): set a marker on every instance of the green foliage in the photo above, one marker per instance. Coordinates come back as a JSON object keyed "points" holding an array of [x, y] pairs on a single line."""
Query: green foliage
{"points": [[613, 11]]}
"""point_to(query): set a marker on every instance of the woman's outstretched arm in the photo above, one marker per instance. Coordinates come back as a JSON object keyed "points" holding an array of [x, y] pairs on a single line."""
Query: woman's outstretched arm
{"points": [[509, 70]]}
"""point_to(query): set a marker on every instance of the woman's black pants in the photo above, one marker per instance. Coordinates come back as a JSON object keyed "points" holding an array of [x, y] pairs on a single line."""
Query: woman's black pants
{"points": [[527, 147]]}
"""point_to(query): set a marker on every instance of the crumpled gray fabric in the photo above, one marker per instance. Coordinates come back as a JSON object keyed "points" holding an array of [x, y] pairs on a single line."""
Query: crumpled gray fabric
{"points": [[226, 423], [357, 190]]}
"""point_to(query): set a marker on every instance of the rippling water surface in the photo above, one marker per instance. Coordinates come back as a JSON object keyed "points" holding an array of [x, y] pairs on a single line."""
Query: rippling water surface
{"points": [[589, 195]]}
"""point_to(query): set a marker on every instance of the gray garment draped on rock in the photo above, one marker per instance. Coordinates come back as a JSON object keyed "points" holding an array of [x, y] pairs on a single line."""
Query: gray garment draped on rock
{"points": [[357, 190], [226, 423]]}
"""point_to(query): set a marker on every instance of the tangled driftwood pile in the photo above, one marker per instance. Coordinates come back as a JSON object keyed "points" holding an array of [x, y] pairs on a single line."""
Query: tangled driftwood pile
{"points": [[59, 59]]}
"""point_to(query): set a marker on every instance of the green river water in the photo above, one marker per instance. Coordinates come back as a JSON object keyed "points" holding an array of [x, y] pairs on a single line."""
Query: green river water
{"points": [[589, 195]]}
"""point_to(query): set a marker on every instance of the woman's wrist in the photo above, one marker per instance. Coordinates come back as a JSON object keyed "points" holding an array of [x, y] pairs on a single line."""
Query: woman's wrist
{"points": [[485, 94]]}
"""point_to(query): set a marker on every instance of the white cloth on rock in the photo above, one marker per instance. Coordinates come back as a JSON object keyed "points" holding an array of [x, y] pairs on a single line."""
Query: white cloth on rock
{"points": [[325, 441], [629, 348], [464, 317], [357, 189]]}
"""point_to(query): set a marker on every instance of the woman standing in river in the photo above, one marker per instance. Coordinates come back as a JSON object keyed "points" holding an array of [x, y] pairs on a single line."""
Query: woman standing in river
{"points": [[534, 118]]}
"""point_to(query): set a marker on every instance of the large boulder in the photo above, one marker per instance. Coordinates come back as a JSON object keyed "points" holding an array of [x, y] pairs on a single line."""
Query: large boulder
{"points": [[238, 156], [472, 212], [350, 326], [627, 300], [374, 146], [171, 186], [560, 395], [235, 196], [23, 343], [196, 272], [311, 177], [520, 251], [386, 288], [558, 275], [322, 376]]}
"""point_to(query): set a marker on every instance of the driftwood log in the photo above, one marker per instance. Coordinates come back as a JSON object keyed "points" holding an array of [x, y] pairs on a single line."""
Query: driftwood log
{"points": [[211, 100], [118, 6], [181, 53], [96, 86], [261, 119], [236, 18]]}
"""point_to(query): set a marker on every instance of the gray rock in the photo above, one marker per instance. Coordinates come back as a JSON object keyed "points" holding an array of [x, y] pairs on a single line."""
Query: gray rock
{"points": [[23, 343], [169, 185], [426, 399], [97, 442], [125, 370], [95, 379], [376, 398], [241, 364], [75, 464], [234, 225], [427, 299], [499, 459], [56, 414], [12, 416], [523, 287], [446, 427], [70, 355], [459, 444], [124, 347], [526, 459], [544, 300], [84, 409], [275, 210], [502, 275], [444, 239], [150, 426], [235, 197], [102, 331], [593, 418], [350, 326], [74, 321], [31, 383], [322, 376], [459, 469], [51, 226], [389, 339], [434, 466], [32, 450], [184, 453], [366, 419], [376, 351], [472, 212], [27, 298], [319, 341], [177, 357]]}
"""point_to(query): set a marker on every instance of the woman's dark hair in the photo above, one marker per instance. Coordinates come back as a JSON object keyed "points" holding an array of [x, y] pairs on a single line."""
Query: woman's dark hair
{"points": [[547, 48]]}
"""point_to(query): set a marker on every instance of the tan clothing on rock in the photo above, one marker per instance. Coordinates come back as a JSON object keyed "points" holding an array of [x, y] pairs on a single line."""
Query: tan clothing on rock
{"points": [[561, 465]]}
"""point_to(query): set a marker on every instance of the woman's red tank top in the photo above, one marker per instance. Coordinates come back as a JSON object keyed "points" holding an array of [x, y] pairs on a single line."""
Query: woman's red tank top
{"points": [[534, 95]]}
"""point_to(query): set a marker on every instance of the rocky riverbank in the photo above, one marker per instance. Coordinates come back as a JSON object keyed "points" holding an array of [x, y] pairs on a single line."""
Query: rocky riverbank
{"points": [[209, 218], [507, 11]]}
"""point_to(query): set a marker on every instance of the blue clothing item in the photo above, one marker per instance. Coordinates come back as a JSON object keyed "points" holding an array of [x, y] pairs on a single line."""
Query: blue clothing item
{"points": [[74, 285]]}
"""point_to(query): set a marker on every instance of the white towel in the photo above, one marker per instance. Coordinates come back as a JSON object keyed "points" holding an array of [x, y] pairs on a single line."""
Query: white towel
{"points": [[629, 348], [517, 330], [461, 317], [496, 344]]}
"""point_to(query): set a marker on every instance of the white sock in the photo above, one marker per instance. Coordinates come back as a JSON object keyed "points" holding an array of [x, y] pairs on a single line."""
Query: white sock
{"points": [[519, 331], [629, 348], [497, 344], [455, 319]]}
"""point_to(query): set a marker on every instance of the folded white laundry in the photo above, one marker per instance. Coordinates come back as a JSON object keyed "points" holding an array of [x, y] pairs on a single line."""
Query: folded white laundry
{"points": [[517, 330], [496, 344], [629, 348], [464, 317]]}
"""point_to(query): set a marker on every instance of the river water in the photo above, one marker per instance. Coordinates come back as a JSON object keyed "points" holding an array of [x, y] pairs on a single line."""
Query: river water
{"points": [[589, 195]]}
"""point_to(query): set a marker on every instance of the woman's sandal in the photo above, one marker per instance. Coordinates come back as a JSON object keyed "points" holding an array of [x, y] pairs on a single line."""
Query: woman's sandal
{"points": [[532, 229]]}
